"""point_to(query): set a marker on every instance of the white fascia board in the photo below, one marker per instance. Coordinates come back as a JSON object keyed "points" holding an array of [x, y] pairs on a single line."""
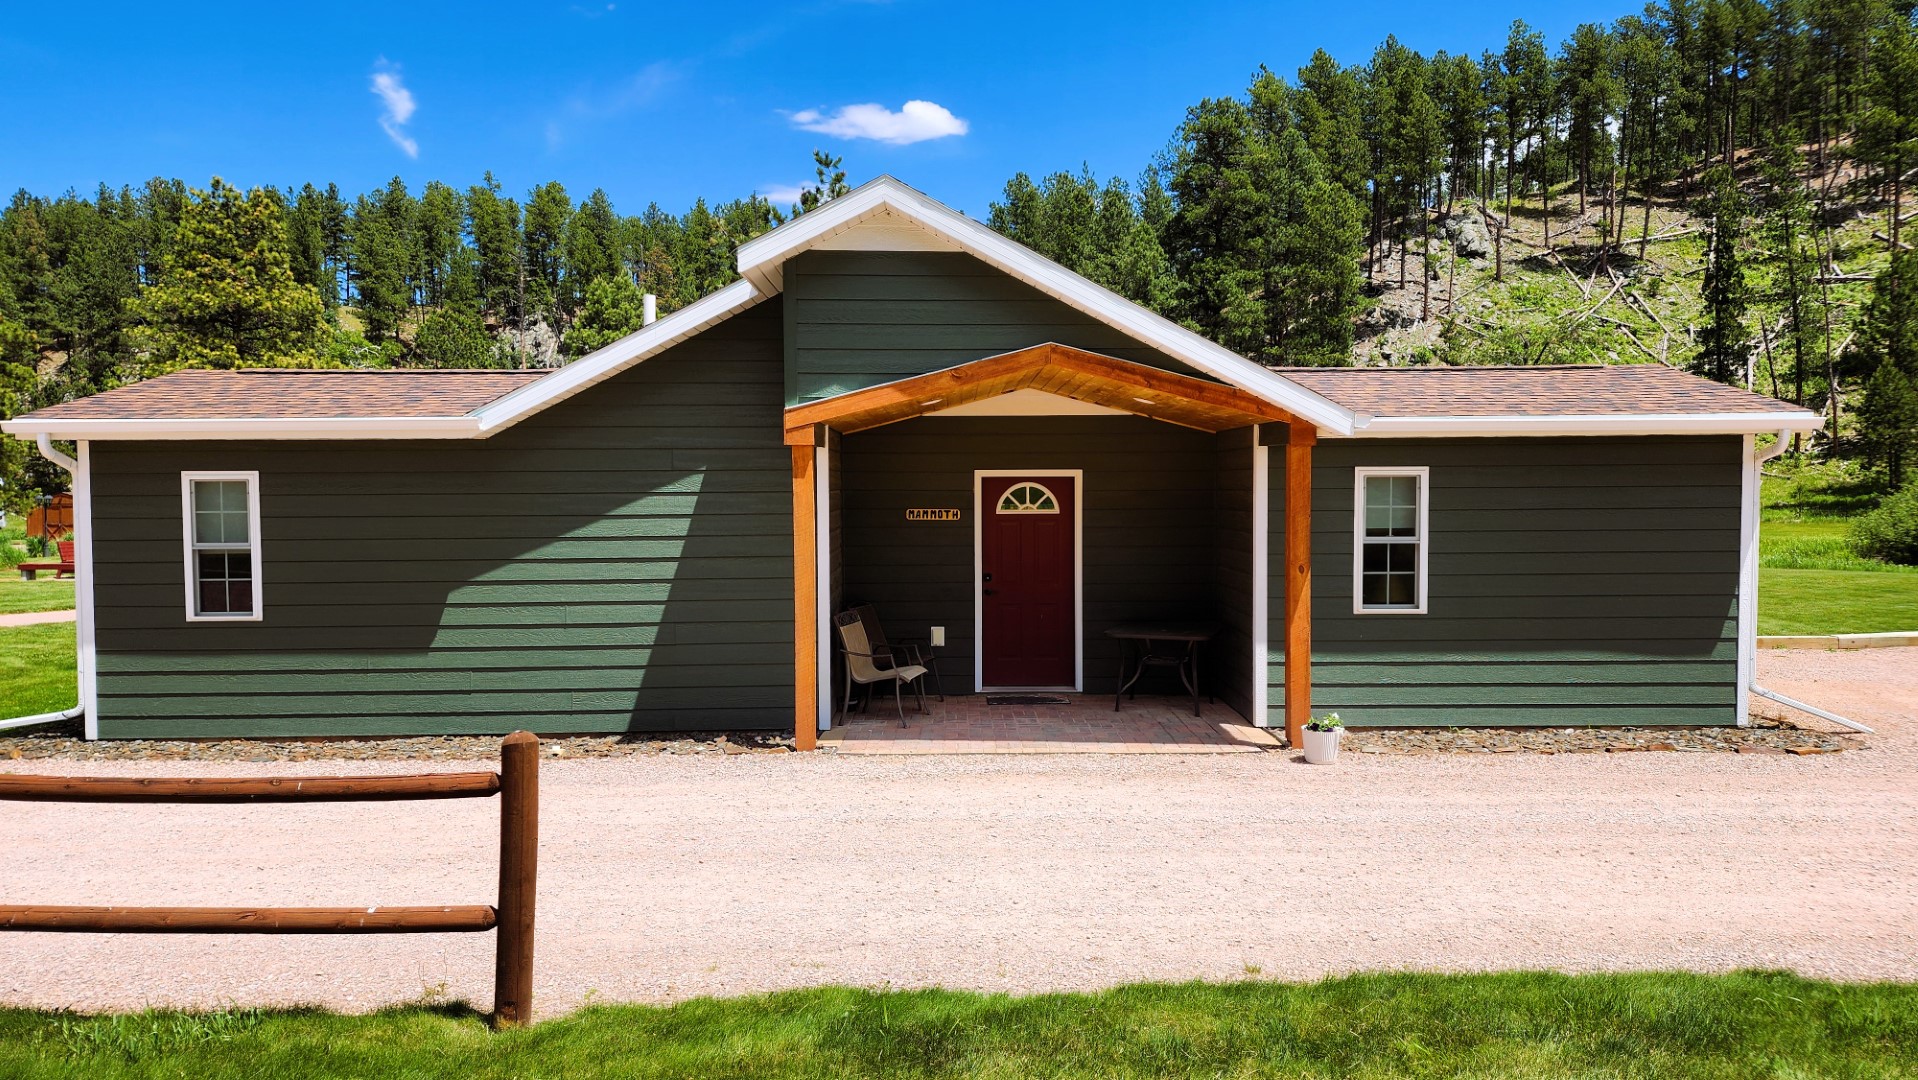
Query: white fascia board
{"points": [[760, 260], [596, 367], [1643, 424], [316, 427]]}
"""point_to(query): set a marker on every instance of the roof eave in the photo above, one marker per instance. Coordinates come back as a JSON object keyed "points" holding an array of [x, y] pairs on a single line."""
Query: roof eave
{"points": [[1734, 423], [315, 427]]}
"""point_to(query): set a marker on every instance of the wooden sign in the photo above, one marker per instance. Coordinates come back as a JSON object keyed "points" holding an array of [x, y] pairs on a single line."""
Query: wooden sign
{"points": [[931, 515]]}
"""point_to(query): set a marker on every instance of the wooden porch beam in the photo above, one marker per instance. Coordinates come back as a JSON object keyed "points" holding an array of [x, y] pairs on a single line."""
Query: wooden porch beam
{"points": [[805, 602], [1114, 382], [1298, 580]]}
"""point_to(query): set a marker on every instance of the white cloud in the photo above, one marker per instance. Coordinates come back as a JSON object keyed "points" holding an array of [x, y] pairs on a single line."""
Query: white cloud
{"points": [[916, 121], [399, 104], [781, 195]]}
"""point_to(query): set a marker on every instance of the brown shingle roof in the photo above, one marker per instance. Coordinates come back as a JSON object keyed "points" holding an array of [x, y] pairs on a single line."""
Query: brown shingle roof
{"points": [[288, 393], [1550, 390]]}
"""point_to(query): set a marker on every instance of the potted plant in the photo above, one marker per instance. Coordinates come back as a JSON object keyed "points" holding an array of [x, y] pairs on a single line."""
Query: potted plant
{"points": [[1322, 739]]}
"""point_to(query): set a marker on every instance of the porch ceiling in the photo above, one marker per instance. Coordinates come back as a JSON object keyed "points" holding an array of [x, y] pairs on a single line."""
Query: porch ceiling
{"points": [[1053, 369]]}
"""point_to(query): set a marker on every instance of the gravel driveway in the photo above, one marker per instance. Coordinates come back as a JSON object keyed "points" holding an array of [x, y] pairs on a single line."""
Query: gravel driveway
{"points": [[665, 877]]}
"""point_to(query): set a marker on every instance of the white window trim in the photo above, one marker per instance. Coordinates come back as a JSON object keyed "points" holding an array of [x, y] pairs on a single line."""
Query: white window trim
{"points": [[253, 530], [1078, 577], [1423, 475]]}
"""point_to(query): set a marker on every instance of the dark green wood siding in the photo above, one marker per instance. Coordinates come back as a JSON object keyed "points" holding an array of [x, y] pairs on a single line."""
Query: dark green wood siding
{"points": [[621, 561], [1150, 504], [1572, 581], [860, 318]]}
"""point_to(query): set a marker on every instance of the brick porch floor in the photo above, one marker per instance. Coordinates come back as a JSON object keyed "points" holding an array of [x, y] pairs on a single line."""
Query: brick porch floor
{"points": [[1086, 724]]}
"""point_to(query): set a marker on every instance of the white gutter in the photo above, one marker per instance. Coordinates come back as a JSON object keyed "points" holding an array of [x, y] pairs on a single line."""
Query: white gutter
{"points": [[45, 443], [1748, 595], [298, 427], [1637, 424]]}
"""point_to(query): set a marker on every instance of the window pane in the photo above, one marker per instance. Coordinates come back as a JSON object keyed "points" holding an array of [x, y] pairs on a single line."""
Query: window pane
{"points": [[239, 597], [1402, 590], [1404, 521], [219, 512], [1378, 492], [1401, 558], [1374, 558], [1378, 520], [1374, 592], [212, 597]]}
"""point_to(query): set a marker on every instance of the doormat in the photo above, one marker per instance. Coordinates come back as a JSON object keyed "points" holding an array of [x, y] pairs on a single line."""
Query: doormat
{"points": [[1025, 699]]}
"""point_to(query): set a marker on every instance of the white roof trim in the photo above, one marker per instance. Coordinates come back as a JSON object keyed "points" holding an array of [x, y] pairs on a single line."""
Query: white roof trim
{"points": [[298, 427], [1610, 424], [761, 261]]}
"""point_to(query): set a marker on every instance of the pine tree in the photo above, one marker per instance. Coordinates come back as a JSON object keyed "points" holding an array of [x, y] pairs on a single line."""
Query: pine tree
{"points": [[454, 338], [227, 296], [1888, 130], [446, 262], [592, 247], [1590, 93], [614, 308], [1788, 233], [543, 242], [493, 222], [1888, 421], [1725, 342], [386, 265], [1329, 115], [829, 183]]}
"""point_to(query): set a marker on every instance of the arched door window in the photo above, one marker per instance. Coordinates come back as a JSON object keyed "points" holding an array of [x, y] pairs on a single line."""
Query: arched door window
{"points": [[1028, 498]]}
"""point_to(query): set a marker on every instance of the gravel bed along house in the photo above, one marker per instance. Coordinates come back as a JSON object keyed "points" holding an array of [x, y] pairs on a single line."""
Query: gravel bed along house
{"points": [[666, 876]]}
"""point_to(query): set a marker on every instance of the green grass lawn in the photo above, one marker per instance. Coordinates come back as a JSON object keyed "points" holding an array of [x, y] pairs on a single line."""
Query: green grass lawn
{"points": [[46, 594], [37, 670], [1809, 579], [1512, 1025], [1835, 602]]}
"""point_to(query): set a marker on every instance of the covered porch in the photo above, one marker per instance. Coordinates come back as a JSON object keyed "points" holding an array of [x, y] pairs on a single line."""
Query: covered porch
{"points": [[1053, 724], [1136, 494]]}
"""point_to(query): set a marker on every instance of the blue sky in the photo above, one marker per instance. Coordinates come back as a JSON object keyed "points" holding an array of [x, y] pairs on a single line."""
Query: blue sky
{"points": [[657, 102]]}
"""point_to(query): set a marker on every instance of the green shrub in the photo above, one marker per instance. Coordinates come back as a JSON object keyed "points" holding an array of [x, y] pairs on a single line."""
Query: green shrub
{"points": [[1890, 533], [11, 554]]}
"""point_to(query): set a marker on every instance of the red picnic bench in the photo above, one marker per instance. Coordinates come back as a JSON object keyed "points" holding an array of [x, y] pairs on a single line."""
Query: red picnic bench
{"points": [[63, 568]]}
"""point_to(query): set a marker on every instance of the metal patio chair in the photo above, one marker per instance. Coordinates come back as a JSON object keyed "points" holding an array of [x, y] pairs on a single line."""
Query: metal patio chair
{"points": [[883, 647], [866, 666]]}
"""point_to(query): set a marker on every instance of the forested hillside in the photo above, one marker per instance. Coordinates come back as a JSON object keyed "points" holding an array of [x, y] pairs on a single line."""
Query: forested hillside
{"points": [[1717, 185]]}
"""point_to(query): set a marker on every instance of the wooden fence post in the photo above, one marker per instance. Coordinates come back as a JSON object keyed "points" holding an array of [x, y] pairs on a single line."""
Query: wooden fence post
{"points": [[518, 869]]}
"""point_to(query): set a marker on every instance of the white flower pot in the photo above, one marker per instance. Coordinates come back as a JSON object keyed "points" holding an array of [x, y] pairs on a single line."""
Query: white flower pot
{"points": [[1322, 747]]}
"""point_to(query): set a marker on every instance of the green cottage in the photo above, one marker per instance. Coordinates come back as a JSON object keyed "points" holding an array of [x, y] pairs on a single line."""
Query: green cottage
{"points": [[895, 405]]}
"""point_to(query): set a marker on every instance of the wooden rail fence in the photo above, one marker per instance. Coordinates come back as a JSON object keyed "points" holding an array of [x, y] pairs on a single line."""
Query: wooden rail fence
{"points": [[516, 782]]}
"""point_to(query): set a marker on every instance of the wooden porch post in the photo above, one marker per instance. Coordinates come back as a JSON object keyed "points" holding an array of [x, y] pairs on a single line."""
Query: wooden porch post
{"points": [[805, 594], [1298, 579]]}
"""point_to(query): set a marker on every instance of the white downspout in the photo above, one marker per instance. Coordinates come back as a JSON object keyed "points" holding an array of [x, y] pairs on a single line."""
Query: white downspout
{"points": [[73, 469], [1748, 601]]}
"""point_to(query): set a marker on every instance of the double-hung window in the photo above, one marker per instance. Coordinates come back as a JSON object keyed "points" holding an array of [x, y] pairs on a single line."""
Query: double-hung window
{"points": [[1389, 540], [222, 511]]}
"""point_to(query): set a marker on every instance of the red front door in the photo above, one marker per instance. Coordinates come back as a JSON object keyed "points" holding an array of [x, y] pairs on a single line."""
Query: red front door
{"points": [[1029, 610]]}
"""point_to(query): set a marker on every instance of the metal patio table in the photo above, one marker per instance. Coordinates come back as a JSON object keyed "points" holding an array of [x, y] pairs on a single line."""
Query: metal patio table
{"points": [[1167, 644]]}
